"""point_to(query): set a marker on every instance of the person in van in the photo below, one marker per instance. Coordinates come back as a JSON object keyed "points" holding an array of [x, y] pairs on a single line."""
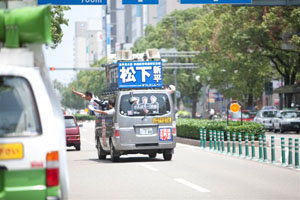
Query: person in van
{"points": [[109, 112], [88, 96]]}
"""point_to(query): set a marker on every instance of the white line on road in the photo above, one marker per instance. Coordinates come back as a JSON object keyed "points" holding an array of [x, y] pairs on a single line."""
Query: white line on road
{"points": [[191, 185], [148, 167]]}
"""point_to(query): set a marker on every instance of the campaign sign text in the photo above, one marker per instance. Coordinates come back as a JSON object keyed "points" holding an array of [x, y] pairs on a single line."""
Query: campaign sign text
{"points": [[144, 74], [215, 1], [72, 2], [139, 2]]}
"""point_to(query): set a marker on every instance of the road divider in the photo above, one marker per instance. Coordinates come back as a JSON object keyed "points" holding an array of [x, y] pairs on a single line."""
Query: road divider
{"points": [[217, 144]]}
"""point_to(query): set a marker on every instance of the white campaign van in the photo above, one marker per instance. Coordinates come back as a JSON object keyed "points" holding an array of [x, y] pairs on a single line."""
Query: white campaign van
{"points": [[32, 130]]}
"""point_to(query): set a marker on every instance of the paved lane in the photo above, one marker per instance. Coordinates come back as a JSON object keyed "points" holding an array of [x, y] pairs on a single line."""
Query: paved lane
{"points": [[192, 174]]}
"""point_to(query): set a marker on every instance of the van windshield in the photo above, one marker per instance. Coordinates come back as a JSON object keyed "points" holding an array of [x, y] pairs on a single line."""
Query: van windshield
{"points": [[150, 104]]}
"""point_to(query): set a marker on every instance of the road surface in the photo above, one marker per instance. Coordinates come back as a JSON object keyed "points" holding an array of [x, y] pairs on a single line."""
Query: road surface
{"points": [[192, 174]]}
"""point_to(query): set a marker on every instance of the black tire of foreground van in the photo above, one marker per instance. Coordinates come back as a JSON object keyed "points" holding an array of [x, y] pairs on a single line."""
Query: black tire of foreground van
{"points": [[167, 156], [113, 154], [100, 151]]}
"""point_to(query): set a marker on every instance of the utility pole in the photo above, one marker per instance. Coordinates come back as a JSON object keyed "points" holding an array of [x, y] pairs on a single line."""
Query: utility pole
{"points": [[175, 60]]}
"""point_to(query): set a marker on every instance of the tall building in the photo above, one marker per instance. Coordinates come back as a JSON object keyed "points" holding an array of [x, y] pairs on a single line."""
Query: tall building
{"points": [[89, 42]]}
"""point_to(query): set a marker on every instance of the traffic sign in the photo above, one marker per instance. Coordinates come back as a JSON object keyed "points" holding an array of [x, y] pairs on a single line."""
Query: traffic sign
{"points": [[73, 2], [235, 107], [140, 1], [140, 74], [215, 1]]}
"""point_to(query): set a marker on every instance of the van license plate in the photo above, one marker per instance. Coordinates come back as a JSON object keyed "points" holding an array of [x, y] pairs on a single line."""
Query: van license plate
{"points": [[11, 151], [146, 131]]}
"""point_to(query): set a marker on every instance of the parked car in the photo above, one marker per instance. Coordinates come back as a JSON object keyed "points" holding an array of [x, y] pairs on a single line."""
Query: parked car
{"points": [[265, 117], [245, 115], [286, 120], [72, 132], [269, 108]]}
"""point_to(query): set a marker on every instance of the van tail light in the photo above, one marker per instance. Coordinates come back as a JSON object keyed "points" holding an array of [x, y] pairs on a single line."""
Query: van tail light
{"points": [[174, 128], [52, 169], [117, 130]]}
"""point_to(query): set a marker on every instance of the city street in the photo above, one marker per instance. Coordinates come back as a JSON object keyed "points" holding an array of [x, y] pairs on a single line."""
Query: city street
{"points": [[192, 174]]}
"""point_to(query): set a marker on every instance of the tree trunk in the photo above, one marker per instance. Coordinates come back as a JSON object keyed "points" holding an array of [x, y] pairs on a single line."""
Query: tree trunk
{"points": [[194, 108], [250, 100]]}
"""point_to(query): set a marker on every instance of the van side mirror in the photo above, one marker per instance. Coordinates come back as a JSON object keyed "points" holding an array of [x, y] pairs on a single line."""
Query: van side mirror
{"points": [[80, 125], [133, 100]]}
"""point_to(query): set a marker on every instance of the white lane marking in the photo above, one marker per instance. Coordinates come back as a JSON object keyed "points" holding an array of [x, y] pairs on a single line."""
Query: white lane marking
{"points": [[148, 167], [91, 143], [191, 185]]}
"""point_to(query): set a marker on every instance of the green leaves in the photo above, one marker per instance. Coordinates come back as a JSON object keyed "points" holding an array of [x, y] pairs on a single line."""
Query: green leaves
{"points": [[189, 128], [58, 19]]}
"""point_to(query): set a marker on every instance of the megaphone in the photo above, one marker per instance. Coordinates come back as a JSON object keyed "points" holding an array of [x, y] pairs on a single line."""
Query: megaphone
{"points": [[25, 25]]}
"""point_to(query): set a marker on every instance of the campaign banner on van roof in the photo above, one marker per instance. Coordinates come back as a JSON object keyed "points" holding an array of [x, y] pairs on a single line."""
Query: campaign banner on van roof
{"points": [[140, 74]]}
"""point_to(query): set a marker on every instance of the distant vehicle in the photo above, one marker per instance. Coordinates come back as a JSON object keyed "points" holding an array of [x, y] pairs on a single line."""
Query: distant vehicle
{"points": [[269, 108], [238, 116], [82, 112], [72, 132], [265, 117], [286, 120]]}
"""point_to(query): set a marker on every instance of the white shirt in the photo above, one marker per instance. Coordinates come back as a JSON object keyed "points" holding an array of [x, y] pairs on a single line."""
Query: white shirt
{"points": [[110, 112]]}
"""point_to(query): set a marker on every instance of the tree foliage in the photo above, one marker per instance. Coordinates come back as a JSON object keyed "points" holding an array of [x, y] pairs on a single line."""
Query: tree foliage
{"points": [[57, 20]]}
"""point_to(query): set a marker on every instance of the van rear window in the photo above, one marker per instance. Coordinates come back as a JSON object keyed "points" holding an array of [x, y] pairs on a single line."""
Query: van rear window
{"points": [[151, 104], [18, 110]]}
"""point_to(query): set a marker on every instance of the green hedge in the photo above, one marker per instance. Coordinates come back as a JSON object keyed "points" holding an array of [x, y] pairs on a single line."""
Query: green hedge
{"points": [[189, 128], [81, 117]]}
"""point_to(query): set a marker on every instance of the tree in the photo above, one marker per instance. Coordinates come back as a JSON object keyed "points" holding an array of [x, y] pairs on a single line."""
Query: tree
{"points": [[58, 19], [266, 32], [93, 81], [163, 37]]}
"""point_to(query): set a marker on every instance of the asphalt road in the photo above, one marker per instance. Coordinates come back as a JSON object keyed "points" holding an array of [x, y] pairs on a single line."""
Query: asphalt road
{"points": [[192, 174]]}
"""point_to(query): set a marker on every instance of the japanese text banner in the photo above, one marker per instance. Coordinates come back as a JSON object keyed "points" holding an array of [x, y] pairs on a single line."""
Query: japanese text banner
{"points": [[145, 74]]}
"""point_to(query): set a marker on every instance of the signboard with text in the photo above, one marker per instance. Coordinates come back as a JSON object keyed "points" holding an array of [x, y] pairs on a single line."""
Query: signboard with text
{"points": [[72, 2], [140, 1], [215, 1], [144, 74]]}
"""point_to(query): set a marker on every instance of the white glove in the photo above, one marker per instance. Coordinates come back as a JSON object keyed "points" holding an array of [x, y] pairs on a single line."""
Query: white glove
{"points": [[91, 108]]}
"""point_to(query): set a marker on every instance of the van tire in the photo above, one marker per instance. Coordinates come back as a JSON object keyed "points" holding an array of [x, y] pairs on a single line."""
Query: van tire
{"points": [[100, 151], [77, 147], [113, 154], [167, 157], [152, 155]]}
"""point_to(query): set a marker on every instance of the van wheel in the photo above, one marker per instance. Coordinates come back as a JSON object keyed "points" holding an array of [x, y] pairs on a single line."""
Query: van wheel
{"points": [[152, 155], [113, 154], [100, 151], [77, 147], [167, 156]]}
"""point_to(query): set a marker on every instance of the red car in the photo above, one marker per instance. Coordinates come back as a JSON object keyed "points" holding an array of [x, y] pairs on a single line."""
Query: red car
{"points": [[237, 116], [72, 132]]}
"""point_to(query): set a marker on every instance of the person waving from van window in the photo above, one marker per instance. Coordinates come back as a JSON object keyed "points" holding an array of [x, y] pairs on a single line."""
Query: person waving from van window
{"points": [[109, 112], [88, 96]]}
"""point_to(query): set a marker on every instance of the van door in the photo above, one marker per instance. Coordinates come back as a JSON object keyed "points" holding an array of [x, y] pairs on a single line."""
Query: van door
{"points": [[22, 158]]}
